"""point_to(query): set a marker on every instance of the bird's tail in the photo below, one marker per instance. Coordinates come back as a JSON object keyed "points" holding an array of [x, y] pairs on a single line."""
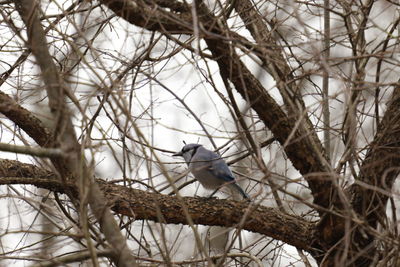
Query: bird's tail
{"points": [[240, 190]]}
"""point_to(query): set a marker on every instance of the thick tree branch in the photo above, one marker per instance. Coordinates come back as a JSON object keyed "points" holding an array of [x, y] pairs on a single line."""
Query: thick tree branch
{"points": [[143, 205], [381, 165], [143, 15], [273, 60], [24, 119]]}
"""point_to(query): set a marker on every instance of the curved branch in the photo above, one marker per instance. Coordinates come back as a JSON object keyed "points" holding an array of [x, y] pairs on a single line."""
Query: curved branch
{"points": [[142, 205], [24, 119]]}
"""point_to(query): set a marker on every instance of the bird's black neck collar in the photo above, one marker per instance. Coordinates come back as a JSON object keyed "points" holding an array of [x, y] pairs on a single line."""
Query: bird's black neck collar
{"points": [[194, 151]]}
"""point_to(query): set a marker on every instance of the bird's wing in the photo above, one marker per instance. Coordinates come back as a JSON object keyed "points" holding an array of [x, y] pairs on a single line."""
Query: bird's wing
{"points": [[220, 168], [212, 162]]}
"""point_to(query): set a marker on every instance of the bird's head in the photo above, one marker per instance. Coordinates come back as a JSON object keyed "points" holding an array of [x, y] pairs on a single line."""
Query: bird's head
{"points": [[187, 152]]}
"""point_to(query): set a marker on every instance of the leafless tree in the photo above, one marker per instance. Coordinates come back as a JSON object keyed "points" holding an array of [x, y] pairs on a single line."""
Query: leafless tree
{"points": [[302, 99]]}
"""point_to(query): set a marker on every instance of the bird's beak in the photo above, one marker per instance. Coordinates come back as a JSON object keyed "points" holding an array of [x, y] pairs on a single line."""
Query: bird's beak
{"points": [[179, 154]]}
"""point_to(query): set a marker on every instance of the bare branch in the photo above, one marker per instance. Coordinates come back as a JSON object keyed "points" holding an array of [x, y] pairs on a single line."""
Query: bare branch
{"points": [[142, 205], [34, 151]]}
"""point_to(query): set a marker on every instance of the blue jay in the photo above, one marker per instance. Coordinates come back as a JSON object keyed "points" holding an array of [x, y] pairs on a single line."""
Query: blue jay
{"points": [[208, 168]]}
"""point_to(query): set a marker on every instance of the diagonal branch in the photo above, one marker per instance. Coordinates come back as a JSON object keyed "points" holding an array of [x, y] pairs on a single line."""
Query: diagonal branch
{"points": [[273, 60], [381, 165], [298, 145]]}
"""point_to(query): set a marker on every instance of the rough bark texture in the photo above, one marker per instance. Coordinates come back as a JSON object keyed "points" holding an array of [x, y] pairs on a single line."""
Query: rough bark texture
{"points": [[143, 205], [25, 120]]}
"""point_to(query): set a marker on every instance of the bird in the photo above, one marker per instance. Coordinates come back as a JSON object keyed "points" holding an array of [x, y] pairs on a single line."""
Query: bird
{"points": [[209, 168]]}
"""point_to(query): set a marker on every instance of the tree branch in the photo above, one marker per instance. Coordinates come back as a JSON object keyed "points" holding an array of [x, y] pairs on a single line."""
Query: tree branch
{"points": [[142, 205], [24, 119], [30, 150], [381, 165]]}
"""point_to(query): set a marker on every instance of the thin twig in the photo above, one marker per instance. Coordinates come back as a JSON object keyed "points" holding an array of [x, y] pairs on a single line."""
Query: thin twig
{"points": [[31, 150]]}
